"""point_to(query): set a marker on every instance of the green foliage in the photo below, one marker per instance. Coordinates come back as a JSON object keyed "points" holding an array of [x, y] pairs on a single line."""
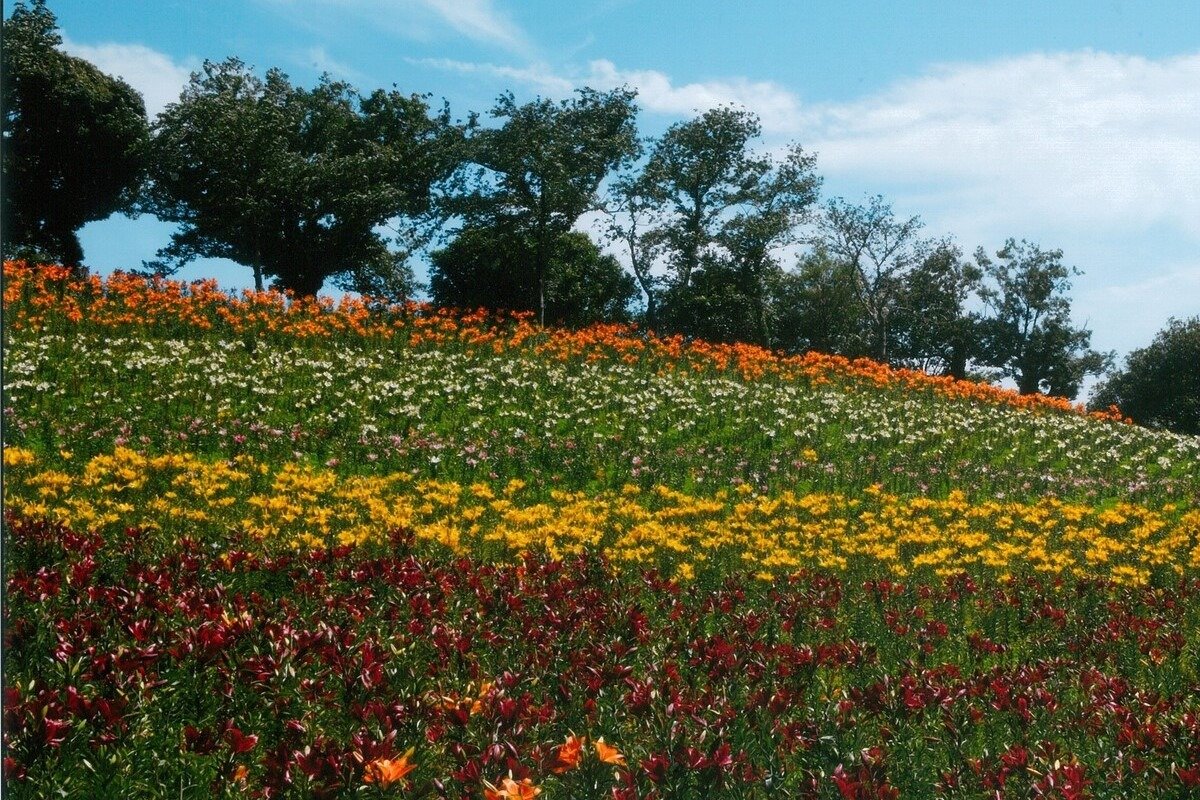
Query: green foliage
{"points": [[538, 172], [934, 330], [773, 207], [296, 182], [1160, 384], [74, 140], [718, 306], [1029, 335], [819, 308], [871, 287], [583, 285], [697, 170], [492, 268], [719, 214], [880, 251], [626, 207]]}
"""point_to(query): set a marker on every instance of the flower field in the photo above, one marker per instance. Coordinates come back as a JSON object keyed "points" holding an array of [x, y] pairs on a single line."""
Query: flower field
{"points": [[264, 547]]}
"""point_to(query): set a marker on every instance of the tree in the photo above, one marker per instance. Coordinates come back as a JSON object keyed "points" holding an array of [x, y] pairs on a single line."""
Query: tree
{"points": [[586, 285], [767, 219], [880, 251], [296, 183], [934, 331], [1160, 384], [696, 171], [74, 140], [719, 213], [819, 308], [493, 268], [1028, 335], [539, 172], [716, 307], [630, 223]]}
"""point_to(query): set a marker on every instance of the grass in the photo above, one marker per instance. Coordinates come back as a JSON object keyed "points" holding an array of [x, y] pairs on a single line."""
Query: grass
{"points": [[263, 547]]}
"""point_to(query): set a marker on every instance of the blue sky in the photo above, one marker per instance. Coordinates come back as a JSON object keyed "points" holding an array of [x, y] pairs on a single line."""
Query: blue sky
{"points": [[1073, 124]]}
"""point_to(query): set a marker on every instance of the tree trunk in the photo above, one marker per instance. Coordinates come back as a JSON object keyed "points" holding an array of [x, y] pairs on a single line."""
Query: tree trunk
{"points": [[539, 274], [641, 272], [881, 332], [958, 361], [306, 284], [258, 271], [69, 253], [1028, 383], [539, 269]]}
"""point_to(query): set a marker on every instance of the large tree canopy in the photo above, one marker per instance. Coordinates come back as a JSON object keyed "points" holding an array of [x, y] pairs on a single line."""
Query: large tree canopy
{"points": [[294, 182], [1029, 336], [697, 171], [1160, 384], [494, 268], [539, 171], [880, 251], [933, 328], [819, 307], [715, 213], [74, 140]]}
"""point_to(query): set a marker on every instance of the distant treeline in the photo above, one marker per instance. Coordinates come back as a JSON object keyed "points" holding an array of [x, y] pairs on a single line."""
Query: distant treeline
{"points": [[717, 237]]}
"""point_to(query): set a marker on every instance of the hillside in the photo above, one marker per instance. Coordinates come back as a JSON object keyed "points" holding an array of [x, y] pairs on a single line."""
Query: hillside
{"points": [[398, 527], [359, 417]]}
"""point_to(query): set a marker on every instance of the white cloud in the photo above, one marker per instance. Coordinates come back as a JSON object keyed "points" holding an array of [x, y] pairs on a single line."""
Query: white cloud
{"points": [[778, 107], [1128, 314], [319, 59], [1085, 139], [478, 20], [540, 77], [156, 75]]}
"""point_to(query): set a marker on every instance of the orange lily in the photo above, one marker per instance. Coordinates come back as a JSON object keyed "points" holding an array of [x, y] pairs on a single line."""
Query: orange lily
{"points": [[452, 703], [568, 754], [511, 790], [477, 704], [386, 771], [608, 754]]}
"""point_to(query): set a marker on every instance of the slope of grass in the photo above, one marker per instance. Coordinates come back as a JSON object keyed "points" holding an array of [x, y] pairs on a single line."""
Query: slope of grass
{"points": [[276, 549], [175, 369]]}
